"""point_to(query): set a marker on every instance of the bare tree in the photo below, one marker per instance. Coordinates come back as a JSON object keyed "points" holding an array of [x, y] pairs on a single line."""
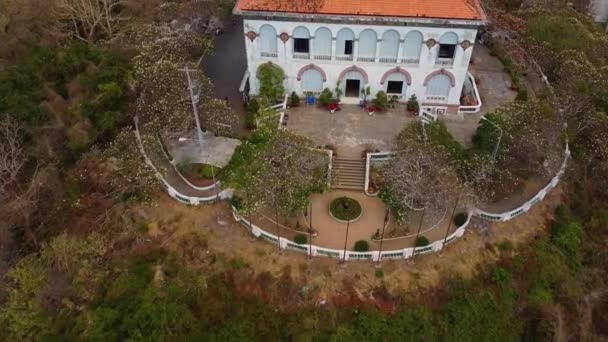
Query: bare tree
{"points": [[90, 17], [12, 157]]}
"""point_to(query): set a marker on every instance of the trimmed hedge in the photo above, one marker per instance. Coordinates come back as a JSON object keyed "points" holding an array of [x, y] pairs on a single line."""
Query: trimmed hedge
{"points": [[361, 246], [460, 219], [300, 239], [422, 241], [345, 208]]}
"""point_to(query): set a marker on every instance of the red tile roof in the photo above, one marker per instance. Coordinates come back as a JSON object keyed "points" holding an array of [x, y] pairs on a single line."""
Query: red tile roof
{"points": [[444, 9]]}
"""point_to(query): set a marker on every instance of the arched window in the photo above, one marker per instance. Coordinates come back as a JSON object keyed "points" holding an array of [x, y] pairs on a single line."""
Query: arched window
{"points": [[322, 45], [312, 80], [390, 45], [344, 44], [447, 45], [268, 41], [413, 45], [367, 45], [439, 86], [301, 41]]}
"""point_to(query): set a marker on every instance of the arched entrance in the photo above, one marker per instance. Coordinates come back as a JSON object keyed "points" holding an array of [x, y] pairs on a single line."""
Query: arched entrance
{"points": [[353, 80]]}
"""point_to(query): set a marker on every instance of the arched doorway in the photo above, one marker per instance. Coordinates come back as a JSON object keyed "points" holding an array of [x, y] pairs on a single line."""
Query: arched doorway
{"points": [[353, 80]]}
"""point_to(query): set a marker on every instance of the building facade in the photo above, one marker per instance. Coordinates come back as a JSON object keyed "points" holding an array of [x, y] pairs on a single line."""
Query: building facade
{"points": [[399, 54]]}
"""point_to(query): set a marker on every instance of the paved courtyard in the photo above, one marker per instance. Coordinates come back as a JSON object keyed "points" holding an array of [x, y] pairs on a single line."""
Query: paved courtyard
{"points": [[350, 130]]}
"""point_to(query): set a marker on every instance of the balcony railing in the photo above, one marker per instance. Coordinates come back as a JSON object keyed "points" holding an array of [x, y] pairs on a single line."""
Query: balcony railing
{"points": [[269, 54], [436, 98], [388, 60], [444, 61], [301, 55], [366, 59], [410, 61], [323, 58], [344, 58]]}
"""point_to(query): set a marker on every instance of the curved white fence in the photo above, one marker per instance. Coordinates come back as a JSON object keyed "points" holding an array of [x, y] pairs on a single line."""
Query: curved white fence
{"points": [[314, 250], [472, 109], [191, 200]]}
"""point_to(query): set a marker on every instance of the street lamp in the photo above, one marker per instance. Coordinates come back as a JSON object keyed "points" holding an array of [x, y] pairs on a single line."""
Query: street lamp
{"points": [[310, 230], [387, 214], [499, 137]]}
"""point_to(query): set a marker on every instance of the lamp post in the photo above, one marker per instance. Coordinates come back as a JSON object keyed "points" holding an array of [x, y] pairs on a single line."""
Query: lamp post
{"points": [[194, 100], [495, 153], [310, 230], [387, 213], [418, 232], [450, 223], [346, 207]]}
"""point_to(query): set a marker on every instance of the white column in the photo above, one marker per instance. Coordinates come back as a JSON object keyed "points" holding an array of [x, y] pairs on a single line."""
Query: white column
{"points": [[333, 48], [378, 46], [400, 53], [355, 49], [311, 47]]}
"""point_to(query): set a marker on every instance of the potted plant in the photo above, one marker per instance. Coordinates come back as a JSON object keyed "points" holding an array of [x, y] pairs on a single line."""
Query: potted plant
{"points": [[371, 110], [365, 93], [412, 104], [325, 97], [333, 107], [380, 101], [294, 99], [338, 91]]}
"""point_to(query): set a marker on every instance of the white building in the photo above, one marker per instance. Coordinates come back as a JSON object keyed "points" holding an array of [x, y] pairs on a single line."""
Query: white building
{"points": [[402, 47]]}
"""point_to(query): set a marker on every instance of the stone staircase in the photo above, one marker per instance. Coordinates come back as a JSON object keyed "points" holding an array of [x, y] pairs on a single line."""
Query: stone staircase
{"points": [[348, 174]]}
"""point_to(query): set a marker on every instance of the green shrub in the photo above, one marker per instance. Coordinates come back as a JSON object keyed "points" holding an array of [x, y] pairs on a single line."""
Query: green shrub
{"points": [[345, 208], [460, 219], [379, 273], [561, 34], [381, 100], [361, 246], [300, 239], [422, 241], [567, 233], [412, 104], [325, 97], [439, 135], [236, 202], [252, 109], [294, 99], [486, 135], [208, 171], [501, 276]]}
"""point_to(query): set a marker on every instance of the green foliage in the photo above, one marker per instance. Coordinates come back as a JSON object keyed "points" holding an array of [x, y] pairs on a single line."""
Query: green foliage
{"points": [[252, 109], [345, 208], [325, 97], [422, 241], [379, 273], [300, 239], [208, 171], [438, 135], [361, 246], [486, 135], [271, 81], [412, 104], [501, 276], [460, 219], [567, 234], [398, 211], [559, 33], [294, 99], [381, 100]]}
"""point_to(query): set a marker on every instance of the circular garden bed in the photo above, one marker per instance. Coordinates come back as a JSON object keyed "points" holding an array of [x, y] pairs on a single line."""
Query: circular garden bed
{"points": [[345, 209]]}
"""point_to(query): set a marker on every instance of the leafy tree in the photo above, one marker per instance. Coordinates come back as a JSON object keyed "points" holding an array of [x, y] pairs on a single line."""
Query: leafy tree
{"points": [[271, 81]]}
